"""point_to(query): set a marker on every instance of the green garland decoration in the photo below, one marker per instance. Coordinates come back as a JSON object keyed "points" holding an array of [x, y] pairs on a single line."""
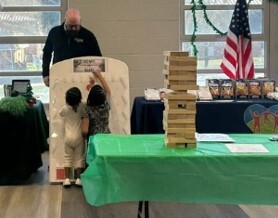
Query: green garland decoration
{"points": [[193, 37], [203, 7], [16, 106]]}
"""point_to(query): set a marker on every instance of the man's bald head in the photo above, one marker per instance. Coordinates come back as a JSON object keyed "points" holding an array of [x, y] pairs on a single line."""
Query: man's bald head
{"points": [[73, 17]]}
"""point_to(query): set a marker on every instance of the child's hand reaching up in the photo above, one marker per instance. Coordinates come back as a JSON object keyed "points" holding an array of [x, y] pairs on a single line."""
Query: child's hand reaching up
{"points": [[92, 79], [91, 83], [100, 78], [97, 73]]}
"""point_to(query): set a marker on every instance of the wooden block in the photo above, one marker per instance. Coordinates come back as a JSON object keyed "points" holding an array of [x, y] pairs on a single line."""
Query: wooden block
{"points": [[179, 96], [188, 107], [189, 135], [180, 111], [186, 63], [180, 58], [180, 130], [177, 123], [175, 145], [182, 82], [179, 101], [175, 53], [191, 145], [179, 140], [180, 68], [167, 125], [179, 61], [182, 105], [181, 121], [187, 124], [179, 116], [180, 87], [189, 77], [179, 72], [171, 104], [179, 145]]}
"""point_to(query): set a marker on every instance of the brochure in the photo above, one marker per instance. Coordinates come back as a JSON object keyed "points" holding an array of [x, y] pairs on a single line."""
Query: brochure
{"points": [[246, 148], [213, 137]]}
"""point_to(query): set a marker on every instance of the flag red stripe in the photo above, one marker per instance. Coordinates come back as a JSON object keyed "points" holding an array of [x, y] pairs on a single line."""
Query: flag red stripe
{"points": [[237, 59], [229, 73], [230, 55], [230, 58], [231, 43], [247, 60]]}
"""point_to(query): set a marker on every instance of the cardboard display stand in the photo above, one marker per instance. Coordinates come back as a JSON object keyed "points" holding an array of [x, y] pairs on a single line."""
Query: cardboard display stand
{"points": [[76, 72]]}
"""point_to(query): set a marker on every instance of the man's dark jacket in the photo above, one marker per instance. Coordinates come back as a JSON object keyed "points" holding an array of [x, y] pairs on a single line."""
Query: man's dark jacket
{"points": [[65, 47]]}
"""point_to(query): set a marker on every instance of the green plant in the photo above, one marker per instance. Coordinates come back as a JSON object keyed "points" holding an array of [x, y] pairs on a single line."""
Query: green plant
{"points": [[29, 93], [16, 106]]}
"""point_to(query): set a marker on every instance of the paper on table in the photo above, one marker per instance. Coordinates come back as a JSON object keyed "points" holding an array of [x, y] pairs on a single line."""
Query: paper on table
{"points": [[247, 148], [152, 94], [213, 137]]}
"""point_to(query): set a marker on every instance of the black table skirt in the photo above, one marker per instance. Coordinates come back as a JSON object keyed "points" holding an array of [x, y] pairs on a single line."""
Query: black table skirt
{"points": [[211, 117], [23, 139]]}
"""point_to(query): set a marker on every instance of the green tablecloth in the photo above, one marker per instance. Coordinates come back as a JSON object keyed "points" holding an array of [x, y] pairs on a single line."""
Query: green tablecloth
{"points": [[140, 168]]}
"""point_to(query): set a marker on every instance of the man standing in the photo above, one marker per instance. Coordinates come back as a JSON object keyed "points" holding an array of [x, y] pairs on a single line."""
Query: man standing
{"points": [[67, 41]]}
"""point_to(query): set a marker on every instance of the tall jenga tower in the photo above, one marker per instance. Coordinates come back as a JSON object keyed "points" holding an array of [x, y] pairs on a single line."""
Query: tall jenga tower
{"points": [[180, 106]]}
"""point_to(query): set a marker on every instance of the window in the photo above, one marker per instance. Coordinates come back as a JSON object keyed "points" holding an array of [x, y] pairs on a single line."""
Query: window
{"points": [[210, 44], [23, 30]]}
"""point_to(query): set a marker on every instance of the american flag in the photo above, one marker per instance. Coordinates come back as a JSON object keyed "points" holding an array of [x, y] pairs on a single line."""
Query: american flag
{"points": [[238, 60]]}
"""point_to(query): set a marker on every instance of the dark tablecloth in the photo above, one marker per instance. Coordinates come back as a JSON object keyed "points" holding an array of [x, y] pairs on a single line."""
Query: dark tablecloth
{"points": [[211, 117], [23, 139]]}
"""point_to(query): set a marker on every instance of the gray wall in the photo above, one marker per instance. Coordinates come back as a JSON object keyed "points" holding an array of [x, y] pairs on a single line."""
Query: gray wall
{"points": [[138, 31]]}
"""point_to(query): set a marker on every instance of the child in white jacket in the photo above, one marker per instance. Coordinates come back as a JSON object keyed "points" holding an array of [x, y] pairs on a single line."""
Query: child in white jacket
{"points": [[72, 114]]}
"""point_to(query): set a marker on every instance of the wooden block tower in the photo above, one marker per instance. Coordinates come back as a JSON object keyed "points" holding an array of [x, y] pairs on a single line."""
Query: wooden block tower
{"points": [[180, 107]]}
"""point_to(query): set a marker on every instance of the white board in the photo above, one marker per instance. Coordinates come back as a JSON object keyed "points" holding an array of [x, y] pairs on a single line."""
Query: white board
{"points": [[66, 74]]}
